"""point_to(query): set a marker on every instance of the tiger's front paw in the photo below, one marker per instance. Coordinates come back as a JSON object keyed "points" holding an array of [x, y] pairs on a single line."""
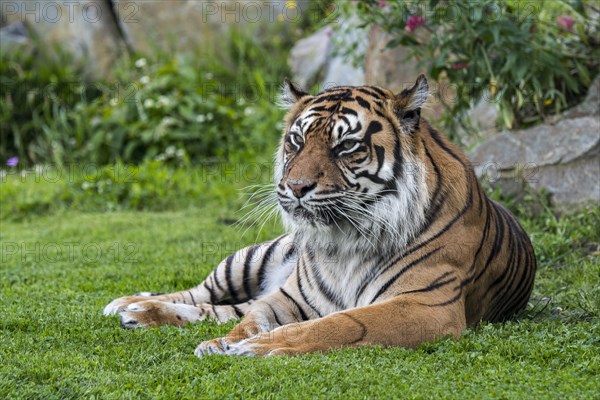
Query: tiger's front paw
{"points": [[214, 346], [122, 302], [264, 344], [152, 313]]}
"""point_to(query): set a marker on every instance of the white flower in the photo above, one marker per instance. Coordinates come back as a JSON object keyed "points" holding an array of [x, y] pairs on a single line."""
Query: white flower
{"points": [[140, 63], [114, 101], [248, 111], [209, 117], [86, 185], [180, 153], [168, 121], [144, 79], [148, 103], [200, 118], [170, 151], [208, 75], [164, 100]]}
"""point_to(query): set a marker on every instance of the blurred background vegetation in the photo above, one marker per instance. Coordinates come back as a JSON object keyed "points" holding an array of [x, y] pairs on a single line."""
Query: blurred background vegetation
{"points": [[162, 112]]}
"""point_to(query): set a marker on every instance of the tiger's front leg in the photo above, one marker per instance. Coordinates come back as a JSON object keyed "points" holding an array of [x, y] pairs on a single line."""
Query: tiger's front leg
{"points": [[224, 295], [404, 321], [272, 312]]}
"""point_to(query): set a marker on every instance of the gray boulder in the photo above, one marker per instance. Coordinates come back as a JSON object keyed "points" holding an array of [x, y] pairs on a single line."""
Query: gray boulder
{"points": [[85, 28], [561, 157], [322, 58]]}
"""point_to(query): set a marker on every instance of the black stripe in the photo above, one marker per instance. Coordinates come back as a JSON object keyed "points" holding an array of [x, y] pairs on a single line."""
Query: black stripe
{"points": [[192, 297], [380, 154], [329, 109], [213, 298], [436, 201], [265, 260], [216, 279], [389, 283], [496, 245], [247, 266], [440, 142], [346, 110], [302, 267], [326, 291], [229, 279], [520, 293], [362, 326], [238, 312], [447, 303], [467, 206], [275, 315], [484, 236], [499, 298], [363, 102], [377, 90], [306, 300], [431, 287], [367, 279], [302, 313], [368, 92], [290, 253]]}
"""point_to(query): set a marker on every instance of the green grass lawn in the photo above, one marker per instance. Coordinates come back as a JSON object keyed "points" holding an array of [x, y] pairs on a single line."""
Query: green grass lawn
{"points": [[60, 270]]}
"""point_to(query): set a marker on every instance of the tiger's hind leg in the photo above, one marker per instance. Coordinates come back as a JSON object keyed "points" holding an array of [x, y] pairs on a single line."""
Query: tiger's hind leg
{"points": [[245, 275], [152, 313]]}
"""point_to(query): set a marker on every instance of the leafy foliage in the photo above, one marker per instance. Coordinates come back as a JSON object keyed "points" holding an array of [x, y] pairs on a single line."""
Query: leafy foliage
{"points": [[215, 103], [529, 58]]}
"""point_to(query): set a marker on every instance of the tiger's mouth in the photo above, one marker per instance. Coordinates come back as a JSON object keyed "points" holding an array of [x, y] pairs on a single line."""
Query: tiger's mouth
{"points": [[304, 213]]}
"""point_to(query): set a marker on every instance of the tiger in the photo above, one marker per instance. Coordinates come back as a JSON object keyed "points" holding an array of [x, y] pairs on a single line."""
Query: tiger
{"points": [[391, 240]]}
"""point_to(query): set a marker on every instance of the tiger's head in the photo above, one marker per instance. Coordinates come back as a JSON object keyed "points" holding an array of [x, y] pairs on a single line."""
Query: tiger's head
{"points": [[348, 167]]}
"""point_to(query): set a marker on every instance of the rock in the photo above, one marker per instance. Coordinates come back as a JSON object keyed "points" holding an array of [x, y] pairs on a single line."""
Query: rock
{"points": [[151, 25], [188, 25], [14, 34], [86, 29], [392, 68], [589, 106], [321, 59], [341, 72], [310, 57], [562, 158]]}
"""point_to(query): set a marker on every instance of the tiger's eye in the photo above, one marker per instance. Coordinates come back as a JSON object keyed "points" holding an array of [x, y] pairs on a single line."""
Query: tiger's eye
{"points": [[296, 138], [348, 144]]}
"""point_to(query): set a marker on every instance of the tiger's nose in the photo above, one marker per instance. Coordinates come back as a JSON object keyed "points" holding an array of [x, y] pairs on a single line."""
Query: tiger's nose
{"points": [[300, 186]]}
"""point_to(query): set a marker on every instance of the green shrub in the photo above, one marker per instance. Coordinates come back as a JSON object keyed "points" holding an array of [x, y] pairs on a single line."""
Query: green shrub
{"points": [[216, 103], [39, 90], [530, 58]]}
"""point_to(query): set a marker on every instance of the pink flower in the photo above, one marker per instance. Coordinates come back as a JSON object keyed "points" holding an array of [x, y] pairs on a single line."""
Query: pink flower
{"points": [[381, 3], [565, 22], [413, 22], [459, 66], [13, 161]]}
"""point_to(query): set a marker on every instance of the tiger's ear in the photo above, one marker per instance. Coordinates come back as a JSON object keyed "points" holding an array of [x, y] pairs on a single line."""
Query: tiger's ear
{"points": [[290, 94], [408, 104]]}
